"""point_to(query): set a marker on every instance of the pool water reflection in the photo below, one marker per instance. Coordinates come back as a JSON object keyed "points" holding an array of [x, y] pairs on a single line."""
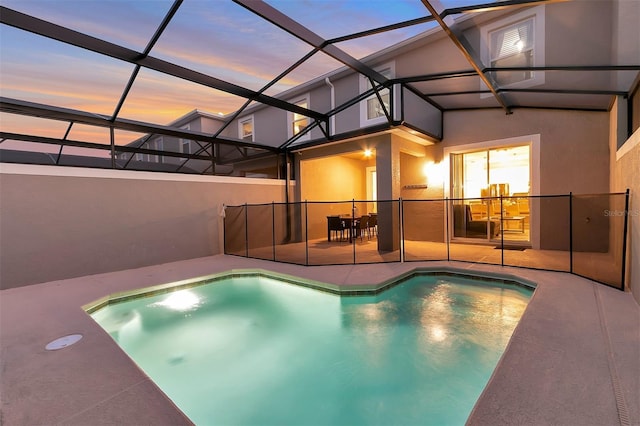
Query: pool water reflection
{"points": [[253, 350]]}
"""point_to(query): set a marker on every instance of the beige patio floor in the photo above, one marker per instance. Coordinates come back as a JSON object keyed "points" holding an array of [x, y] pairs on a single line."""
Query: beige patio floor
{"points": [[598, 266], [574, 358]]}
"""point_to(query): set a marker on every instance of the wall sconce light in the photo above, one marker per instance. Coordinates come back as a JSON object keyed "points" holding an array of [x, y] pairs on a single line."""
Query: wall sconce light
{"points": [[434, 172], [367, 153]]}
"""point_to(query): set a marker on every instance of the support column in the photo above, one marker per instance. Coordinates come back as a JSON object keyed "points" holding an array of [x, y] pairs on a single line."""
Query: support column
{"points": [[388, 187]]}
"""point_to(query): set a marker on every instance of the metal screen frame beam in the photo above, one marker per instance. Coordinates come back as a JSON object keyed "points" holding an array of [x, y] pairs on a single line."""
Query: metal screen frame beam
{"points": [[154, 39], [379, 30], [548, 91], [239, 112], [469, 56], [56, 32], [14, 106], [100, 146], [279, 19], [498, 5]]}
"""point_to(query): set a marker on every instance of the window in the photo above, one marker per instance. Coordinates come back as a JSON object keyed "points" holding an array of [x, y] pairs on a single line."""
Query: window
{"points": [[297, 122], [371, 111], [185, 144], [515, 42], [513, 47], [374, 108], [481, 171], [157, 145], [245, 129]]}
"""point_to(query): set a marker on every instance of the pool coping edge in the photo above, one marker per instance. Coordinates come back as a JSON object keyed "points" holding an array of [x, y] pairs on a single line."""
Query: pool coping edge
{"points": [[336, 289]]}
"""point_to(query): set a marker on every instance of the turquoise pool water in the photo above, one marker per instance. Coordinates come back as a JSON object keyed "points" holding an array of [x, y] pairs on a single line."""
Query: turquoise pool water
{"points": [[256, 351]]}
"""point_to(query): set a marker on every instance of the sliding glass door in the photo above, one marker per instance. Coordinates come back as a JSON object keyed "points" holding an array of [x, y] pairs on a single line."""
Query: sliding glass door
{"points": [[491, 188]]}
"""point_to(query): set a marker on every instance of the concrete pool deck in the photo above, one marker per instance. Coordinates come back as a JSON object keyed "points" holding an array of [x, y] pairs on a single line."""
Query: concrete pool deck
{"points": [[574, 358]]}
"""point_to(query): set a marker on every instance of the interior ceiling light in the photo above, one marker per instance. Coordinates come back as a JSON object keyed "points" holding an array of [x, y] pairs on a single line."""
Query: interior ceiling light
{"points": [[519, 45]]}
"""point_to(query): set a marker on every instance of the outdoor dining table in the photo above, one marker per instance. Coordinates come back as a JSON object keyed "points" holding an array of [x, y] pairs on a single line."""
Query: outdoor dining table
{"points": [[350, 224]]}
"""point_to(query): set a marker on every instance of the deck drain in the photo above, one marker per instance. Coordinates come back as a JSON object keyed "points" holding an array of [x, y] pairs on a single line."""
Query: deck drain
{"points": [[63, 342]]}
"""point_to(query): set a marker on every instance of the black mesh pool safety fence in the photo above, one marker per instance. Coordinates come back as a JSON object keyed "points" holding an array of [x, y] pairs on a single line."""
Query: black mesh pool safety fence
{"points": [[580, 234]]}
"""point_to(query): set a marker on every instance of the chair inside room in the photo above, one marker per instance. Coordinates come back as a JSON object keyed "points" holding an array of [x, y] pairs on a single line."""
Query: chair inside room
{"points": [[336, 227], [511, 209], [465, 226], [363, 226], [479, 210], [373, 224], [495, 208], [523, 206]]}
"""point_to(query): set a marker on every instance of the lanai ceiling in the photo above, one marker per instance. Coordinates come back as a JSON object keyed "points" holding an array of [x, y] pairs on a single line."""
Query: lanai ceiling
{"points": [[93, 76]]}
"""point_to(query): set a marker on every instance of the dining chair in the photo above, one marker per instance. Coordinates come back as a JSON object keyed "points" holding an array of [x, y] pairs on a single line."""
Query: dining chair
{"points": [[336, 226], [373, 224], [363, 226]]}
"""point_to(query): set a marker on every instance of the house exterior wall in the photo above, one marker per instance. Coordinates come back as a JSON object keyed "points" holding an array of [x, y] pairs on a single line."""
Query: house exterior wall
{"points": [[423, 57], [416, 214], [574, 147], [334, 173], [436, 53], [590, 23], [263, 125], [307, 188], [77, 222], [271, 128], [320, 100], [625, 174], [347, 88], [330, 179], [197, 123], [626, 15], [573, 157], [208, 125]]}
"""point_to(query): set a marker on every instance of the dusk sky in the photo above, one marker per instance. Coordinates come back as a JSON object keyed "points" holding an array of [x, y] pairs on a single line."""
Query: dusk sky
{"points": [[215, 37]]}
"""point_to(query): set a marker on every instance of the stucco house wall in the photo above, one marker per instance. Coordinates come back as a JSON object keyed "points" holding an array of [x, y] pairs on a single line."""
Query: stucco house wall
{"points": [[625, 174], [330, 179], [435, 53], [574, 148], [346, 88], [423, 221], [573, 157]]}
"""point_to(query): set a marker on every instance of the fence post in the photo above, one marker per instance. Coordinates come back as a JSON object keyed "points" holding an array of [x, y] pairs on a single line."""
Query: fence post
{"points": [[224, 232], [624, 239], [501, 231], [306, 233], [273, 228], [353, 228], [401, 230], [571, 232], [447, 238], [246, 230]]}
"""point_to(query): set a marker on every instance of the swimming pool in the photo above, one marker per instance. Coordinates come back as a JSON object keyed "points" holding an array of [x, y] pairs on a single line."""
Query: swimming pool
{"points": [[251, 350]]}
